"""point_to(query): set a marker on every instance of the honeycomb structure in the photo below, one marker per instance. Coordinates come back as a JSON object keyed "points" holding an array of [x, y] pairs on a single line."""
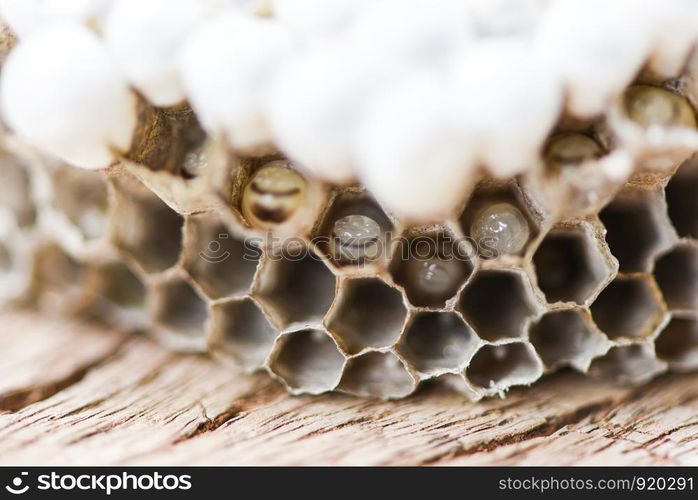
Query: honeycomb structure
{"points": [[605, 284]]}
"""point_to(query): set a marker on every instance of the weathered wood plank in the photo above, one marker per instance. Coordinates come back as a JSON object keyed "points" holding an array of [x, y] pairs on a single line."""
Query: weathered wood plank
{"points": [[39, 357], [135, 403]]}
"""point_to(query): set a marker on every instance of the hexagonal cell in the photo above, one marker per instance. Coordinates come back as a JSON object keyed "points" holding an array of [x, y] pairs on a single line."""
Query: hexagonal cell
{"points": [[628, 364], [58, 281], [267, 192], [293, 289], [221, 264], [16, 194], [81, 196], [377, 375], [682, 199], [186, 184], [676, 273], [628, 307], [369, 313], [177, 131], [241, 333], [5, 258], [497, 304], [638, 228], [354, 231], [498, 221], [431, 268], [567, 337], [122, 292], [16, 263], [243, 172], [308, 361], [435, 342], [570, 264], [178, 314], [583, 169], [495, 368], [197, 159], [677, 344], [145, 228]]}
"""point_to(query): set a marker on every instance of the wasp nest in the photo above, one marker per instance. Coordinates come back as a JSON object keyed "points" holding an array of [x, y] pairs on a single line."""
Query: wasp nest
{"points": [[495, 204]]}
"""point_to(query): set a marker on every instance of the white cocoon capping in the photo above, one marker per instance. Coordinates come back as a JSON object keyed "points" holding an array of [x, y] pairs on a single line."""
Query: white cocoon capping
{"points": [[226, 68], [508, 101], [60, 91], [596, 46], [411, 154], [25, 16], [146, 38], [314, 104], [675, 25], [412, 32], [316, 19], [505, 17]]}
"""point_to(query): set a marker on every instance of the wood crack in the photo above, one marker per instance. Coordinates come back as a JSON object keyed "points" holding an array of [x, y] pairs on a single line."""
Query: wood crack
{"points": [[17, 399], [544, 429], [245, 403]]}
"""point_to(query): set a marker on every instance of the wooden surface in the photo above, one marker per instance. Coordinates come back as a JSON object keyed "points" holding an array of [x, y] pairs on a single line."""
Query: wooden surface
{"points": [[73, 393]]}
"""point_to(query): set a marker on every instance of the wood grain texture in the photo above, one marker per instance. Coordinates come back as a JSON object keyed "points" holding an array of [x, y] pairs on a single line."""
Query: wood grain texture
{"points": [[73, 393]]}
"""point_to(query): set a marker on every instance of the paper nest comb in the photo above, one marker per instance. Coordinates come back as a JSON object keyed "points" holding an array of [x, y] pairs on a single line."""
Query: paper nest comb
{"points": [[592, 260]]}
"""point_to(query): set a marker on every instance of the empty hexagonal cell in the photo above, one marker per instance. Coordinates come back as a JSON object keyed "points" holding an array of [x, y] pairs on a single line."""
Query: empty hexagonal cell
{"points": [[682, 199], [144, 227], [677, 344], [17, 190], [495, 368], [567, 337], [81, 196], [354, 231], [16, 263], [122, 292], [628, 364], [498, 221], [435, 342], [58, 281], [221, 264], [628, 307], [378, 375], [497, 304], [240, 332], [179, 314], [570, 265], [431, 268], [308, 361], [369, 313], [676, 273], [637, 228], [296, 288], [5, 257]]}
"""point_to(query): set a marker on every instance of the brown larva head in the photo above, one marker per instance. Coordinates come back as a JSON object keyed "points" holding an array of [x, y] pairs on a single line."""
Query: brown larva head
{"points": [[648, 105], [272, 195], [571, 149]]}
